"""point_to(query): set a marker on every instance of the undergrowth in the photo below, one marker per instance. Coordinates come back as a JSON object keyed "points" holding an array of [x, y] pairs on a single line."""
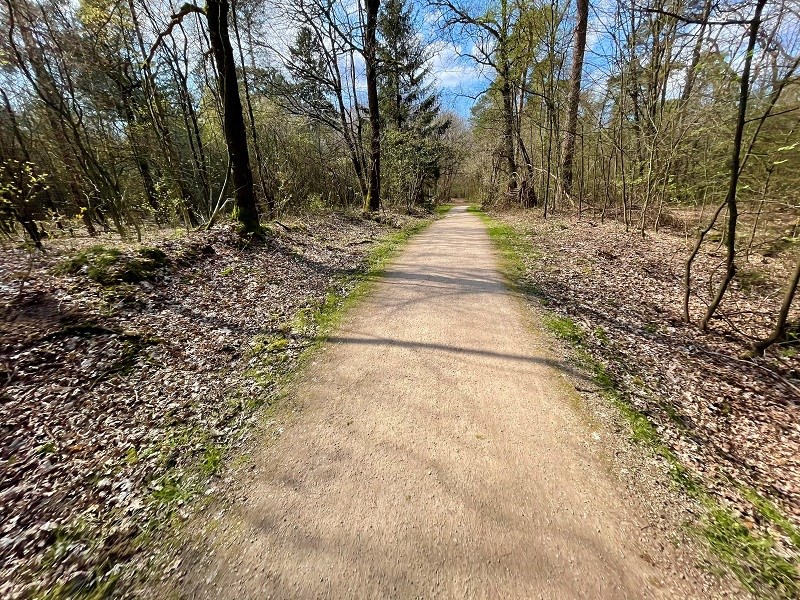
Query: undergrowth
{"points": [[751, 556]]}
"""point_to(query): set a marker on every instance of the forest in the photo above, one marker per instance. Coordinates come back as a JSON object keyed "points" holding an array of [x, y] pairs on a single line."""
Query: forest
{"points": [[189, 194]]}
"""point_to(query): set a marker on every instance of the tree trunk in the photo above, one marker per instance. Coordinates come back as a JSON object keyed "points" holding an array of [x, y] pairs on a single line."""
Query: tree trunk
{"points": [[730, 199], [579, 49], [373, 200], [508, 129], [245, 210], [266, 190], [779, 333]]}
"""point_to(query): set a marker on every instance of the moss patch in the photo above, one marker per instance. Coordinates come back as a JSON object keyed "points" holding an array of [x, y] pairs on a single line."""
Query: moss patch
{"points": [[110, 266]]}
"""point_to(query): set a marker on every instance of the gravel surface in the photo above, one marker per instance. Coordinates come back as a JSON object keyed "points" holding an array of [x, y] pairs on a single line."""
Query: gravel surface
{"points": [[437, 451]]}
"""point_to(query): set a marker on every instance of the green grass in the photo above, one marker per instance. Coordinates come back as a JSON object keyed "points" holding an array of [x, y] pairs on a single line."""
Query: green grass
{"points": [[95, 584], [564, 328], [442, 209], [773, 514], [752, 557]]}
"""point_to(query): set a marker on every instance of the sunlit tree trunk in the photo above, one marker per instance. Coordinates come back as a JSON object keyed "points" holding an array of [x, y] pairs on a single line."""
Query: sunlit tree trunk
{"points": [[579, 49]]}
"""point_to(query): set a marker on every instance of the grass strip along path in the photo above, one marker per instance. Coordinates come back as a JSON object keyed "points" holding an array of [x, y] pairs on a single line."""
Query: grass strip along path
{"points": [[437, 452]]}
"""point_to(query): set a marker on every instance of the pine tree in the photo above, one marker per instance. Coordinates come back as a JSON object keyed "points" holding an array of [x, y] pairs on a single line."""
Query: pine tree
{"points": [[406, 100]]}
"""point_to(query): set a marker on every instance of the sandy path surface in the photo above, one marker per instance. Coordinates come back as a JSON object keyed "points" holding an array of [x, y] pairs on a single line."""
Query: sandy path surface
{"points": [[438, 453]]}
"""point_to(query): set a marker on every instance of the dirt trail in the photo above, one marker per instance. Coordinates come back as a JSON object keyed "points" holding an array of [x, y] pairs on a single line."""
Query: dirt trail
{"points": [[438, 454]]}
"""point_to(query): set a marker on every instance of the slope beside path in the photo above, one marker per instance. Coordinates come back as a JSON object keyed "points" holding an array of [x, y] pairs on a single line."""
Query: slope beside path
{"points": [[438, 453]]}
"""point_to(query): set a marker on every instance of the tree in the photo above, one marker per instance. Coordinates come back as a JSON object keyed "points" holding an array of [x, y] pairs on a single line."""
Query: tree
{"points": [[406, 100], [216, 13], [373, 200], [735, 164], [412, 130], [579, 48]]}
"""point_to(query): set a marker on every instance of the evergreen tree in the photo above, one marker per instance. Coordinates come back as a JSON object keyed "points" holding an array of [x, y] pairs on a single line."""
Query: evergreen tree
{"points": [[308, 66], [406, 100]]}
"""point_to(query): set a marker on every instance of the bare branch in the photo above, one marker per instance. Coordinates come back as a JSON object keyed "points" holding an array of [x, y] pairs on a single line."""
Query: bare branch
{"points": [[177, 19]]}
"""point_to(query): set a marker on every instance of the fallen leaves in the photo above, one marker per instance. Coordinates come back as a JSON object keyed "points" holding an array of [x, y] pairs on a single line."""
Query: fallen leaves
{"points": [[734, 420], [117, 401]]}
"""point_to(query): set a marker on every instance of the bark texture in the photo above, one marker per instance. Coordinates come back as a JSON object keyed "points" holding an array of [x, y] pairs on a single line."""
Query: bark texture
{"points": [[579, 49], [373, 199], [245, 210]]}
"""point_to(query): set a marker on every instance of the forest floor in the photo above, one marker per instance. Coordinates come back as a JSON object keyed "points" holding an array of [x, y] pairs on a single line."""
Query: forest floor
{"points": [[438, 449], [128, 372], [727, 424]]}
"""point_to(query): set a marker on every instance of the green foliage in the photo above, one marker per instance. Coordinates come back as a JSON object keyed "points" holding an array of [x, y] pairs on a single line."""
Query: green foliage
{"points": [[411, 166], [414, 148], [20, 186]]}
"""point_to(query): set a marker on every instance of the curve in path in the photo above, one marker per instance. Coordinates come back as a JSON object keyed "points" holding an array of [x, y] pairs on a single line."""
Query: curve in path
{"points": [[438, 454]]}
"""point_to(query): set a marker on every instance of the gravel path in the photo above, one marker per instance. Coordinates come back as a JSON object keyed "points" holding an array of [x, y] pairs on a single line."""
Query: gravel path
{"points": [[438, 453]]}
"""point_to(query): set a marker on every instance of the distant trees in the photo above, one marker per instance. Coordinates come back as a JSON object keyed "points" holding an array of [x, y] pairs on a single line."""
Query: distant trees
{"points": [[492, 28], [118, 114], [648, 112]]}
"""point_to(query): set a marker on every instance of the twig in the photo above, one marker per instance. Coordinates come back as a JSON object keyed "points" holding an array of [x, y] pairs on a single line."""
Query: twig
{"points": [[177, 19]]}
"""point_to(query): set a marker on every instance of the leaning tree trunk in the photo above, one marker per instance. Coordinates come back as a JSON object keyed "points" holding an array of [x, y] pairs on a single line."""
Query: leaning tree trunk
{"points": [[779, 333], [245, 210], [568, 150], [373, 200], [730, 199]]}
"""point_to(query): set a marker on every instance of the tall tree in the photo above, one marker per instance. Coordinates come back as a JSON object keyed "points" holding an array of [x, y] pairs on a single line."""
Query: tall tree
{"points": [[216, 13], [579, 49], [245, 210], [373, 200], [405, 96]]}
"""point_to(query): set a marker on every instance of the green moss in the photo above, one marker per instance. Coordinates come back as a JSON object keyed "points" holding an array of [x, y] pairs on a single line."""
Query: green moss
{"points": [[169, 490], [46, 448], [212, 459], [110, 266], [751, 278]]}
